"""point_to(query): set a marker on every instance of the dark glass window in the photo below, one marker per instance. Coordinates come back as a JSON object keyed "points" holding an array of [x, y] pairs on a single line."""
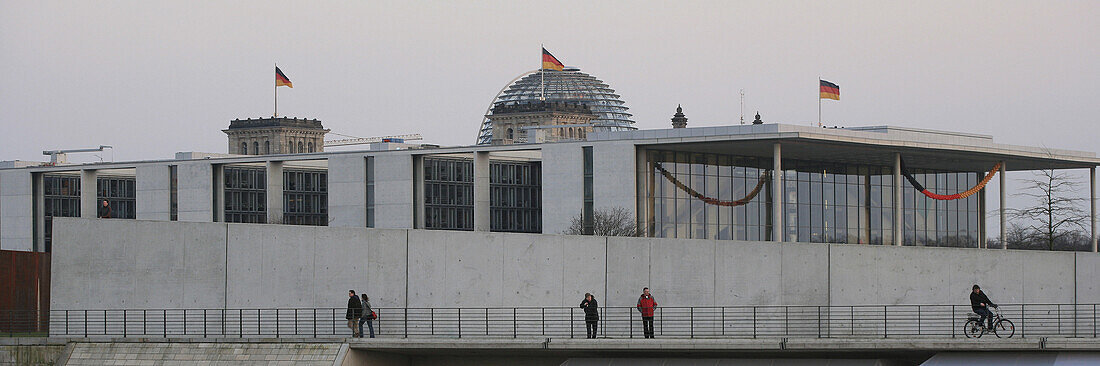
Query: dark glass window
{"points": [[173, 193], [305, 197], [370, 191], [449, 194], [119, 194], [62, 199], [515, 196], [245, 195]]}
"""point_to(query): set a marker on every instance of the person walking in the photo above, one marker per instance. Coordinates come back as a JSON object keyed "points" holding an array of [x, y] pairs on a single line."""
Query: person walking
{"points": [[646, 305], [980, 303], [368, 317], [355, 310], [104, 211], [591, 314]]}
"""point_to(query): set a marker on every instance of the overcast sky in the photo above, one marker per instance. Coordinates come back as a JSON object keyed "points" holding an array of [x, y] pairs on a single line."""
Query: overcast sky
{"points": [[153, 77]]}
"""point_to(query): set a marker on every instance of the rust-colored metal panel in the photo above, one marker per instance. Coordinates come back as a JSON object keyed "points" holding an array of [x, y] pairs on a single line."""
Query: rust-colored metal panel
{"points": [[24, 291]]}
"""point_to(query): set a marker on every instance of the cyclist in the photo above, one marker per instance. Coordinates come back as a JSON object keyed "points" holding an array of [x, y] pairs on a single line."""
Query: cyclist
{"points": [[980, 303]]}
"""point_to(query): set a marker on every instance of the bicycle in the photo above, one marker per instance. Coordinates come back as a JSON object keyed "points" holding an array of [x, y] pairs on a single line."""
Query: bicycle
{"points": [[975, 328]]}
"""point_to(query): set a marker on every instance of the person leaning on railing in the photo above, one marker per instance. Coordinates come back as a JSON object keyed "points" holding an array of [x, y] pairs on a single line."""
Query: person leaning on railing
{"points": [[980, 303]]}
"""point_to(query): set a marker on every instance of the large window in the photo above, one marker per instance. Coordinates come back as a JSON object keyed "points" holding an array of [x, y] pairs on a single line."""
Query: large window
{"points": [[370, 191], [448, 194], [62, 199], [119, 194], [823, 202], [173, 193], [245, 195], [305, 197], [515, 196]]}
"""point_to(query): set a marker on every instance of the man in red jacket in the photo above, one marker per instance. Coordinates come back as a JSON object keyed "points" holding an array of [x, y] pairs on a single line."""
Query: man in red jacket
{"points": [[646, 304]]}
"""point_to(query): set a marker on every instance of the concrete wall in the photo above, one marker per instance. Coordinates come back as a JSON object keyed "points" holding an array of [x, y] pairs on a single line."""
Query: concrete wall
{"points": [[562, 186], [615, 183], [347, 191], [196, 191], [154, 196], [146, 264], [393, 191], [16, 202]]}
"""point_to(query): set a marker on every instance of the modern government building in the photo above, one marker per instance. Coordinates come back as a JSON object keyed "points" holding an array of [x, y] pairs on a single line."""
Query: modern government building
{"points": [[552, 148]]}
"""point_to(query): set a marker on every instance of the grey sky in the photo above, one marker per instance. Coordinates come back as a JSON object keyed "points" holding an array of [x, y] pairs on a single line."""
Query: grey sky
{"points": [[153, 78]]}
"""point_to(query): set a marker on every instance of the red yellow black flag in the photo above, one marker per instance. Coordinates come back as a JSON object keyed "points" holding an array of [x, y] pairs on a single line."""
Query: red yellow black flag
{"points": [[281, 80]]}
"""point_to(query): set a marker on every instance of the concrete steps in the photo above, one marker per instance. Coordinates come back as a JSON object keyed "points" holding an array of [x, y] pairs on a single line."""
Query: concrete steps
{"points": [[169, 354]]}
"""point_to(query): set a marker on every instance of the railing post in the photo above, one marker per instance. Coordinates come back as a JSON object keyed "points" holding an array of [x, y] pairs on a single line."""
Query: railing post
{"points": [[459, 322], [572, 324], [630, 322], [314, 322], [240, 323], [787, 320], [754, 321], [143, 321], [1094, 320], [819, 321], [953, 320], [295, 321], [918, 320], [105, 322], [543, 321], [66, 322], [723, 320], [515, 324], [406, 321], [431, 319], [486, 321], [277, 323], [691, 324], [1023, 319], [124, 324], [852, 314], [185, 322], [885, 326], [204, 323], [163, 318]]}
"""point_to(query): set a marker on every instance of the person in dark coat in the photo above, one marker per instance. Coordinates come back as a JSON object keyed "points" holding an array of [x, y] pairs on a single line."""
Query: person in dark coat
{"points": [[368, 317], [591, 314], [104, 211], [355, 310], [980, 303], [646, 305]]}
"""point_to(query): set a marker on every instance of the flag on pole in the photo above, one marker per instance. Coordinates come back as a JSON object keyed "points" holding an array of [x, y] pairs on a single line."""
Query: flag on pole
{"points": [[281, 80], [829, 90], [550, 62]]}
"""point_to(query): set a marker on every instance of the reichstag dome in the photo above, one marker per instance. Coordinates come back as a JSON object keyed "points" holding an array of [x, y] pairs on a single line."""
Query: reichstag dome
{"points": [[569, 85]]}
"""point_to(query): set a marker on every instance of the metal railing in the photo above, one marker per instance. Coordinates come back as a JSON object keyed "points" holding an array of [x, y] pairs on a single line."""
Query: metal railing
{"points": [[863, 321]]}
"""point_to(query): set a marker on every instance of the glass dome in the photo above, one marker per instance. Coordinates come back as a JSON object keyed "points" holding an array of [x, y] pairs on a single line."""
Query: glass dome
{"points": [[569, 85]]}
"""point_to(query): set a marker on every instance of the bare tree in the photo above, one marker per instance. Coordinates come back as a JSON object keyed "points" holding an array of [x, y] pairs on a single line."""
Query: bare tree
{"points": [[1056, 208], [617, 221]]}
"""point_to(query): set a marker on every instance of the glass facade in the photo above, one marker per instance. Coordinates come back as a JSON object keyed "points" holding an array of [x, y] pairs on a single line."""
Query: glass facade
{"points": [[588, 203], [245, 195], [305, 197], [515, 195], [173, 192], [823, 202], [370, 191], [448, 194], [62, 199], [119, 194]]}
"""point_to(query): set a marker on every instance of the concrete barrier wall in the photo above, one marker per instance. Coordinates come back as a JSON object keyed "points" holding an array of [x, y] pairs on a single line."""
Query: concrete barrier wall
{"points": [[117, 264]]}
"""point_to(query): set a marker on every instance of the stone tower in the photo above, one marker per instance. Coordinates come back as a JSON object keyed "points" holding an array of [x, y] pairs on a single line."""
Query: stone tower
{"points": [[279, 135], [540, 121], [678, 119]]}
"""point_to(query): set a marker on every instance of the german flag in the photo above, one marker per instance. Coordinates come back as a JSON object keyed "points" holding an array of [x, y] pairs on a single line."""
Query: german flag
{"points": [[280, 79], [550, 62], [829, 90]]}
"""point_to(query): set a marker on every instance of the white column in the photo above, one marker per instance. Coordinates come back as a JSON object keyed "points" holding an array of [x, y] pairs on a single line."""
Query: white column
{"points": [[1004, 236], [219, 192], [777, 193], [89, 186], [481, 191], [1092, 205], [898, 221], [347, 191], [275, 192], [153, 196]]}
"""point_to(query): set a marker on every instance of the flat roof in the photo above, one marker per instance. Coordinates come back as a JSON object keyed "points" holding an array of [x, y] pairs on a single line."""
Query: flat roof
{"points": [[874, 145]]}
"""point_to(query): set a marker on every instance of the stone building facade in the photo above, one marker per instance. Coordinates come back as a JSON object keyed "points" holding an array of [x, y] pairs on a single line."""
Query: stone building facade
{"points": [[281, 135], [540, 121]]}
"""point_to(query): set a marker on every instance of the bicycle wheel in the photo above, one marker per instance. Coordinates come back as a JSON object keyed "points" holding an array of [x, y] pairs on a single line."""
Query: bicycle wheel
{"points": [[972, 329], [1004, 328]]}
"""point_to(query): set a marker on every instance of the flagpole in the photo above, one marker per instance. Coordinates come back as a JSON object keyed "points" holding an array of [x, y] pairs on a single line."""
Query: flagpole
{"points": [[542, 74], [818, 101], [276, 81]]}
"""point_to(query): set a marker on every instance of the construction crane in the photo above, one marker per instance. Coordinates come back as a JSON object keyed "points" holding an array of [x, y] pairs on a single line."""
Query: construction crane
{"points": [[369, 140], [58, 157]]}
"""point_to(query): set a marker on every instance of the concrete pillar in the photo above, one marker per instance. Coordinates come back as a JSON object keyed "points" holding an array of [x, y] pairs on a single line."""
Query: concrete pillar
{"points": [[17, 198], [777, 193], [275, 192], [1092, 205], [420, 213], [482, 217], [218, 192], [899, 222], [88, 189], [1003, 213], [195, 191], [393, 190], [38, 213], [562, 186]]}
